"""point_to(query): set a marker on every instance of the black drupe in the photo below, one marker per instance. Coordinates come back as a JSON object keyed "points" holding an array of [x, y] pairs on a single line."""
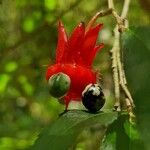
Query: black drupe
{"points": [[91, 101]]}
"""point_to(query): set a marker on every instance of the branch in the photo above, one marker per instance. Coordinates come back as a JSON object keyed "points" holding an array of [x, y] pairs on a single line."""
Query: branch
{"points": [[122, 24], [110, 4], [125, 9], [114, 52], [117, 64], [96, 16], [122, 77]]}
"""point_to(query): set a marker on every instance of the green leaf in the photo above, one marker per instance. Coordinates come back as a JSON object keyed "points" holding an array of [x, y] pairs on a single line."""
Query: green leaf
{"points": [[109, 142], [64, 132], [136, 50], [119, 136], [131, 130]]}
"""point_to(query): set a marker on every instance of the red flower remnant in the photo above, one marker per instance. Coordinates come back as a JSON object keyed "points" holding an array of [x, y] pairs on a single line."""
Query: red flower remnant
{"points": [[74, 57]]}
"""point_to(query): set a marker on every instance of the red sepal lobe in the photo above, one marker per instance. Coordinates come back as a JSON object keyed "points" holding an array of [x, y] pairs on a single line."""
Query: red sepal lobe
{"points": [[62, 41]]}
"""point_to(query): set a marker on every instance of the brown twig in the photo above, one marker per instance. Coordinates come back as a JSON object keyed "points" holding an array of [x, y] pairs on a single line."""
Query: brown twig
{"points": [[117, 64], [114, 51], [114, 59], [96, 16]]}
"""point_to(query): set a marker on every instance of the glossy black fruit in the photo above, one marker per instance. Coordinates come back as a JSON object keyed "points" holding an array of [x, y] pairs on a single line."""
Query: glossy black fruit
{"points": [[93, 98]]}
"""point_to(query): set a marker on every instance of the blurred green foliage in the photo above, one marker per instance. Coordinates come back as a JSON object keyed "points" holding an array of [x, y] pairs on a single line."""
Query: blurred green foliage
{"points": [[28, 37], [137, 53]]}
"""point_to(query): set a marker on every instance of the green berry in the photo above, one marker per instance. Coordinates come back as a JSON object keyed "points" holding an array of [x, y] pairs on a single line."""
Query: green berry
{"points": [[59, 84]]}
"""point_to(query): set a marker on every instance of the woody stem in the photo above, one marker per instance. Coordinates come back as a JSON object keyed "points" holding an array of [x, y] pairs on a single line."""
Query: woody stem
{"points": [[96, 16], [117, 64], [114, 52]]}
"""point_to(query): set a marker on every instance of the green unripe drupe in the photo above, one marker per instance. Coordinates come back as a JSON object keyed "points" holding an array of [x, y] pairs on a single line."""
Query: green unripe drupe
{"points": [[59, 84]]}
